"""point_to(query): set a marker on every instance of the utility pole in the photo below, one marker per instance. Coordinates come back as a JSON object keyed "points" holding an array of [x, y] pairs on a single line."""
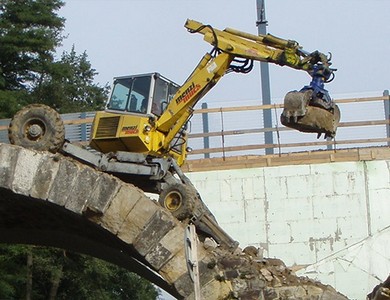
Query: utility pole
{"points": [[261, 24]]}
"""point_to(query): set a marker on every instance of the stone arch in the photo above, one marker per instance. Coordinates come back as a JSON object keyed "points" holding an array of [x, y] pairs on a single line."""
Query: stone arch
{"points": [[48, 199]]}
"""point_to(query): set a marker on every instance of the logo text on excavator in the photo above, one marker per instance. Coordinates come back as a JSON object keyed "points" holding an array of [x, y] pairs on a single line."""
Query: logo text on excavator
{"points": [[188, 93]]}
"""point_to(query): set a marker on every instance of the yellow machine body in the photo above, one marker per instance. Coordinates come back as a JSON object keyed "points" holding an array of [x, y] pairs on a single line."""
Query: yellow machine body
{"points": [[129, 122], [120, 132], [148, 113]]}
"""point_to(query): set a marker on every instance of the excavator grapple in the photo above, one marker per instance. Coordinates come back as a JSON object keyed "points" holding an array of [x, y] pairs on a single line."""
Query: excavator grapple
{"points": [[302, 113], [311, 109]]}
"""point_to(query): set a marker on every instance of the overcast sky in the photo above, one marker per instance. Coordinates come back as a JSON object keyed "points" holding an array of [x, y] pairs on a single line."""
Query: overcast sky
{"points": [[124, 37]]}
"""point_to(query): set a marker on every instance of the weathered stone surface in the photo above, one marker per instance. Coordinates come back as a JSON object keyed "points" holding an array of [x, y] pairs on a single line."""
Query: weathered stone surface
{"points": [[7, 165], [303, 292], [287, 292], [206, 275], [215, 290], [184, 284], [175, 267], [47, 171], [158, 256], [25, 169], [330, 294], [120, 206], [106, 187], [158, 226], [63, 182], [266, 274], [169, 245], [138, 217], [84, 184]]}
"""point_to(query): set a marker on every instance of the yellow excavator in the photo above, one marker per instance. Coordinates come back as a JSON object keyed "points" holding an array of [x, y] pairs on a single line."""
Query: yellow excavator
{"points": [[141, 135]]}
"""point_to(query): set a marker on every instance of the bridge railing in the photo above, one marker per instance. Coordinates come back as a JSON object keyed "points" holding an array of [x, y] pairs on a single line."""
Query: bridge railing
{"points": [[232, 131]]}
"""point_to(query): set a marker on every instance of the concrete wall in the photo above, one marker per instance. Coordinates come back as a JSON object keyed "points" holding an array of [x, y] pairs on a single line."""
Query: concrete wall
{"points": [[329, 221]]}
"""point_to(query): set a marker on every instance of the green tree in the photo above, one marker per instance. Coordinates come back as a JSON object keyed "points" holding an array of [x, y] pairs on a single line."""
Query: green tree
{"points": [[57, 274], [12, 271], [69, 85], [30, 32], [12, 101]]}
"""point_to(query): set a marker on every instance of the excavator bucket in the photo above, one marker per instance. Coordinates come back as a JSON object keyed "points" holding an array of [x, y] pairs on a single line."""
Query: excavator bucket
{"points": [[302, 113]]}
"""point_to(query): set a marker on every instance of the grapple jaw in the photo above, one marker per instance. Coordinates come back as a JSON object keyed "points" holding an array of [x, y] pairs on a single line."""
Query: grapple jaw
{"points": [[303, 113]]}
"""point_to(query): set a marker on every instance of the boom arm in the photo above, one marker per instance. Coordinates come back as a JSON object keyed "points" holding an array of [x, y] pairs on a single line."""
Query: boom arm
{"points": [[235, 51], [259, 47]]}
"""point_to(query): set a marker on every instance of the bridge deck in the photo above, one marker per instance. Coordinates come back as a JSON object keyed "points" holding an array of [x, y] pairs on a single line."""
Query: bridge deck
{"points": [[296, 158]]}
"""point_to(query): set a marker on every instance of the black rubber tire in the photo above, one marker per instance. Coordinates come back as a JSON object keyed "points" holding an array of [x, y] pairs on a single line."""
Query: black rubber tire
{"points": [[37, 127], [179, 199]]}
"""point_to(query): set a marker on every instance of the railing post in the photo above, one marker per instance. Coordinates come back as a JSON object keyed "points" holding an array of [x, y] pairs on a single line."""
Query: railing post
{"points": [[205, 120], [329, 146], [387, 113], [83, 127], [4, 132]]}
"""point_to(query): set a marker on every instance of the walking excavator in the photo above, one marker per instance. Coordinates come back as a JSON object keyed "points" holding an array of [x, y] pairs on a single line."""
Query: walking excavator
{"points": [[141, 136]]}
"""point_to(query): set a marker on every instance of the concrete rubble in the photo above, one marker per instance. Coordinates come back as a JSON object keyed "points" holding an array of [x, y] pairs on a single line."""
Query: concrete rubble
{"points": [[254, 277], [381, 291]]}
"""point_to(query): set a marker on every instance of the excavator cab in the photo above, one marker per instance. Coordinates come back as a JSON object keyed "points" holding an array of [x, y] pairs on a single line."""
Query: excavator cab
{"points": [[129, 121], [141, 94]]}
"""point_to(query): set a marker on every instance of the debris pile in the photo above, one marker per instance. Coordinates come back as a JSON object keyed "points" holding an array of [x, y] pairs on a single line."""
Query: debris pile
{"points": [[254, 277], [381, 291]]}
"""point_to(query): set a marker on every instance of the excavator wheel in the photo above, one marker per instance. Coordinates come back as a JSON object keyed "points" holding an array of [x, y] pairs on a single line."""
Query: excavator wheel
{"points": [[179, 199], [37, 127]]}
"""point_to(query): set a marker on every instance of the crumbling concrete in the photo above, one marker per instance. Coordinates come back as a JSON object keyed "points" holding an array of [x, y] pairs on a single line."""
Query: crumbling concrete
{"points": [[48, 199], [381, 291]]}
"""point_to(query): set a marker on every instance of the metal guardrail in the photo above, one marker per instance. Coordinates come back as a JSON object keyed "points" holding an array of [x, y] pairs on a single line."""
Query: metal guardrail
{"points": [[364, 123], [232, 131]]}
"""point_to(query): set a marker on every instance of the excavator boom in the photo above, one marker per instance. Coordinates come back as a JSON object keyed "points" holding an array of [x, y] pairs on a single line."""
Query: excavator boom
{"points": [[310, 109], [266, 48]]}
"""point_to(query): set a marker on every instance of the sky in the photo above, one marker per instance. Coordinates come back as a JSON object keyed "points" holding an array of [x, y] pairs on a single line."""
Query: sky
{"points": [[123, 37]]}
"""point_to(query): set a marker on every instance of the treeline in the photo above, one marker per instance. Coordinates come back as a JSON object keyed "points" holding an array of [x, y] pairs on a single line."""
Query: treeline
{"points": [[31, 272], [30, 33]]}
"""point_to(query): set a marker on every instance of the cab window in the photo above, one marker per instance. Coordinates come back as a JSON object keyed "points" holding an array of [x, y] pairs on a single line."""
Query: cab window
{"points": [[139, 95], [159, 96], [163, 93], [119, 95], [130, 94]]}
